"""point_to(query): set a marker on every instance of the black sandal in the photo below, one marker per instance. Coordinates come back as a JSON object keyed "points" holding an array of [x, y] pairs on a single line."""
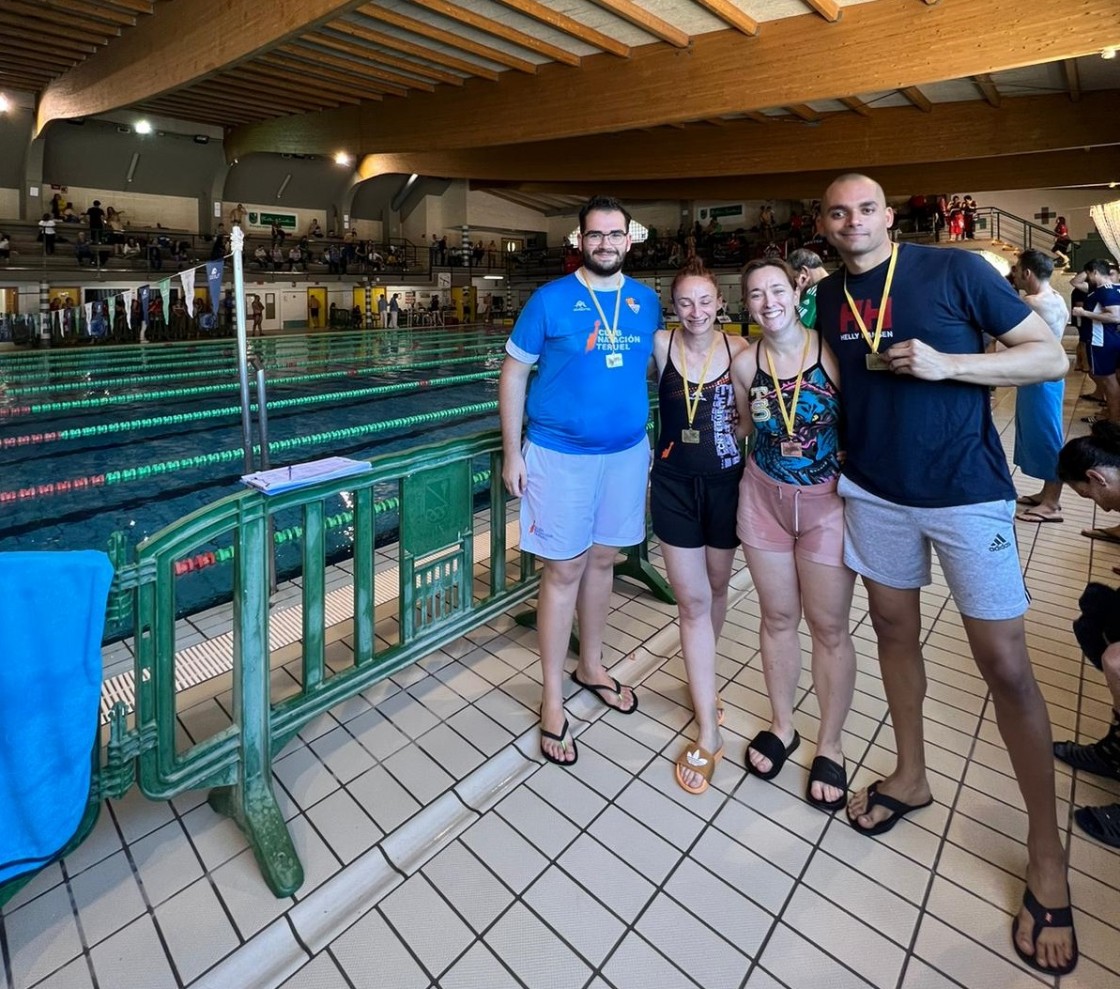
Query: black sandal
{"points": [[1101, 758], [602, 689], [829, 773], [1044, 917], [1102, 823], [769, 746], [564, 734]]}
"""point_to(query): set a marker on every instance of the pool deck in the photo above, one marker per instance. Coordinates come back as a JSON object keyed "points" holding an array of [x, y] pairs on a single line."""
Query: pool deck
{"points": [[441, 851]]}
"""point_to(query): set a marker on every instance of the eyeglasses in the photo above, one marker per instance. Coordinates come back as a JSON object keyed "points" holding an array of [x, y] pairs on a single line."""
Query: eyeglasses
{"points": [[616, 238]]}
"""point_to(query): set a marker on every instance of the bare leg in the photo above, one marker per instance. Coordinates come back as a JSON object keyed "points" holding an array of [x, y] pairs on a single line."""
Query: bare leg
{"points": [[896, 617], [1110, 391], [593, 604], [826, 593], [779, 595], [556, 606], [699, 580], [1000, 650]]}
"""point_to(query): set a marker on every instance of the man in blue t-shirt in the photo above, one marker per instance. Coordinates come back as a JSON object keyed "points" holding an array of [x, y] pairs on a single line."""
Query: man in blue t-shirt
{"points": [[1102, 309], [581, 474], [925, 468]]}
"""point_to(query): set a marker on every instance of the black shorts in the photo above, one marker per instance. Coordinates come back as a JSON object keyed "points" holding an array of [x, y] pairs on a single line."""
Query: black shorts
{"points": [[693, 510]]}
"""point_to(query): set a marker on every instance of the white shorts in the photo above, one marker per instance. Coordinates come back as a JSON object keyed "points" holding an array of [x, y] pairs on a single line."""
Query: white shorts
{"points": [[572, 500]]}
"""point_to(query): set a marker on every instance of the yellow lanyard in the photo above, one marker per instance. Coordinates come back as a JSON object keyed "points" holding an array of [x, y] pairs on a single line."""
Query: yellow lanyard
{"points": [[788, 417], [692, 403], [612, 330], [873, 343]]}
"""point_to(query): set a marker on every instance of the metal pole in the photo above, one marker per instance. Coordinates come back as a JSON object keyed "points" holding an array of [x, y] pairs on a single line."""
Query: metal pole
{"points": [[237, 242], [262, 432]]}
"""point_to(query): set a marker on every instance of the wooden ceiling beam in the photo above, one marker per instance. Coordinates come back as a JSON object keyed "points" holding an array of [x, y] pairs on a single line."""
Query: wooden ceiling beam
{"points": [[1073, 79], [608, 95], [359, 58], [19, 27], [456, 12], [392, 60], [828, 9], [648, 22], [395, 43], [840, 142], [1027, 171], [178, 45], [731, 15], [298, 69], [561, 22], [856, 104], [279, 80], [60, 22], [449, 38], [917, 98], [988, 89], [422, 68], [238, 82], [134, 6], [347, 65], [95, 10], [806, 113]]}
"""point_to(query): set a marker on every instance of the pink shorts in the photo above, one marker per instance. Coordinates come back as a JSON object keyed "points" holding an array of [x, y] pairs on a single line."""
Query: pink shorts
{"points": [[806, 520]]}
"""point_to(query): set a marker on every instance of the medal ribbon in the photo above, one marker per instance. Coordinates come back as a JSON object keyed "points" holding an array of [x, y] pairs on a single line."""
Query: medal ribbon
{"points": [[612, 331], [788, 417], [873, 342], [691, 406]]}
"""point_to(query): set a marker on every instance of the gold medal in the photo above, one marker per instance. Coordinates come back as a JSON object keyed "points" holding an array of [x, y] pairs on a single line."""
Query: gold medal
{"points": [[791, 448], [690, 435], [876, 362]]}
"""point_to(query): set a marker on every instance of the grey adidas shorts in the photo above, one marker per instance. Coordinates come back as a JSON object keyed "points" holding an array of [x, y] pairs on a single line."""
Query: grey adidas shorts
{"points": [[975, 544]]}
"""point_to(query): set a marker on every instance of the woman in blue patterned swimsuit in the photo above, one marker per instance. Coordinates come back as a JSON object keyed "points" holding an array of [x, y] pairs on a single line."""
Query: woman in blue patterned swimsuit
{"points": [[693, 491], [791, 523]]}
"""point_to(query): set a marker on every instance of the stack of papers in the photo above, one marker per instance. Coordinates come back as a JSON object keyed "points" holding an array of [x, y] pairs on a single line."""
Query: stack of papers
{"points": [[300, 475]]}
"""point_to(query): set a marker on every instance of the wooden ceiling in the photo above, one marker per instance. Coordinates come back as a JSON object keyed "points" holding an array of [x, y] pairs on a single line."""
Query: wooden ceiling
{"points": [[547, 95]]}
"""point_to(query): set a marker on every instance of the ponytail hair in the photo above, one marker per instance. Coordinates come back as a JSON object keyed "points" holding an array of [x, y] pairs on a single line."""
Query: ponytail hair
{"points": [[1101, 448]]}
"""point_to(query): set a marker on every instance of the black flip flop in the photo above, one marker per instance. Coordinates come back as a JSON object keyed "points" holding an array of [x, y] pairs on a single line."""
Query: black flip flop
{"points": [[897, 808], [1101, 823], [601, 688], [769, 746], [829, 773], [1044, 917], [564, 733], [1102, 534]]}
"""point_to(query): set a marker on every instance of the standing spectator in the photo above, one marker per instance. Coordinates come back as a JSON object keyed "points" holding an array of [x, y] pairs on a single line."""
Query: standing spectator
{"points": [[435, 310], [1102, 312], [810, 273], [278, 234], [82, 251], [394, 309], [491, 254], [1038, 407], [382, 309], [96, 216], [1062, 243], [5, 247], [333, 259], [47, 233], [237, 215], [313, 309], [443, 250], [956, 219], [218, 247], [57, 205], [968, 207], [766, 222], [433, 251]]}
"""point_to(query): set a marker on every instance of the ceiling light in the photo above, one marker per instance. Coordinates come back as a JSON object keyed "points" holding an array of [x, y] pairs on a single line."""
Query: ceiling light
{"points": [[492, 278], [1108, 53], [143, 127], [5, 103], [201, 139], [342, 158]]}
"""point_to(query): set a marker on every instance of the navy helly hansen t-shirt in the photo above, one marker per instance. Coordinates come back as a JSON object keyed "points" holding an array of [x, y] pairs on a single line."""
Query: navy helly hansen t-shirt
{"points": [[927, 444]]}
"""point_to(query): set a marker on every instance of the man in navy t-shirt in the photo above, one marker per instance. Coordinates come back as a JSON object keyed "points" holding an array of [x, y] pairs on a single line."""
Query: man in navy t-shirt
{"points": [[581, 474], [1102, 309], [925, 468]]}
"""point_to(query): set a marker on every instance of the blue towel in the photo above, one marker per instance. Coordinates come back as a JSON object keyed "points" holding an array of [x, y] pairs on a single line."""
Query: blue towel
{"points": [[52, 617]]}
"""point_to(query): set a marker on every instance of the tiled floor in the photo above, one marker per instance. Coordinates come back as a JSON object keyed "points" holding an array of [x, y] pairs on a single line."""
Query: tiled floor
{"points": [[440, 851]]}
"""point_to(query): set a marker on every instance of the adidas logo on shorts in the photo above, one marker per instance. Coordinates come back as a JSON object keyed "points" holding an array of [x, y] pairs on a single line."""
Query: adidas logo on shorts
{"points": [[999, 543]]}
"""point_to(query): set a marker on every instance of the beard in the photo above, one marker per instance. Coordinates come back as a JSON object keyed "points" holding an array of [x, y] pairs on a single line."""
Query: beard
{"points": [[608, 263]]}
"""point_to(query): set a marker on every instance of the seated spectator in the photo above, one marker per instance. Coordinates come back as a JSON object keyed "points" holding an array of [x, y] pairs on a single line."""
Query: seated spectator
{"points": [[70, 215], [361, 255], [261, 258], [5, 246], [356, 316], [392, 260], [376, 261], [333, 259], [82, 250], [155, 256], [276, 256], [296, 258], [131, 248], [315, 230]]}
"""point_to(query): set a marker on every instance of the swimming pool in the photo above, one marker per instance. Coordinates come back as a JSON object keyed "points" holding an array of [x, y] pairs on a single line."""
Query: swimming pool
{"points": [[129, 439]]}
